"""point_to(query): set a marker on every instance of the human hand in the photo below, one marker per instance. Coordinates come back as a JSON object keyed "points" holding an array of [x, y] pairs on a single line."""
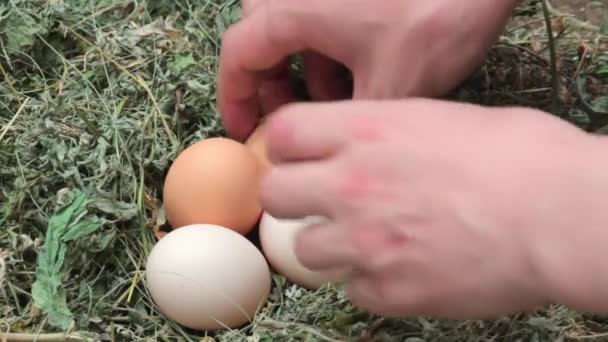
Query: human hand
{"points": [[442, 209], [393, 48]]}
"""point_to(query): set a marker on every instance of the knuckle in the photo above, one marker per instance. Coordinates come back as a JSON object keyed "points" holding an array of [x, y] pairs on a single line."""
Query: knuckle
{"points": [[355, 180]]}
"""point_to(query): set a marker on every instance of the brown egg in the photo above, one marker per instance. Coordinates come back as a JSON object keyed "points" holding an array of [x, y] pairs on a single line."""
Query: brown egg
{"points": [[214, 181], [257, 142]]}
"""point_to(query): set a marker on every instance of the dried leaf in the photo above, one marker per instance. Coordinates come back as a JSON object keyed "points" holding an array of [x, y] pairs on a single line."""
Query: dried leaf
{"points": [[181, 62], [70, 222], [19, 30], [121, 210]]}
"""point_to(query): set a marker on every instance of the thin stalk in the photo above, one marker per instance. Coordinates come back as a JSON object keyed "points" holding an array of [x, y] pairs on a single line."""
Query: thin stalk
{"points": [[555, 102]]}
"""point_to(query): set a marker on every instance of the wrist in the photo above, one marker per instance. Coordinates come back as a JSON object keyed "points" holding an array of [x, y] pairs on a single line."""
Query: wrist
{"points": [[570, 249]]}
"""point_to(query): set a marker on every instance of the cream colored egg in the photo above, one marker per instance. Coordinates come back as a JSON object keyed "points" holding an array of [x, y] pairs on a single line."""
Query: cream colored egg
{"points": [[207, 277], [277, 237]]}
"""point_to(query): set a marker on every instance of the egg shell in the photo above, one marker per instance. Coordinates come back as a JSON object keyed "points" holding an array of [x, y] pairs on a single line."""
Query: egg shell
{"points": [[207, 277], [277, 237], [214, 181], [258, 143]]}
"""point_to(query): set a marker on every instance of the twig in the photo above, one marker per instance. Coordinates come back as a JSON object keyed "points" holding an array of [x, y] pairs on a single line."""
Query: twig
{"points": [[524, 49], [112, 7], [586, 337], [8, 81], [157, 111], [104, 11], [533, 54], [583, 57], [369, 334], [285, 325], [553, 54], [6, 56], [15, 337], [523, 25], [572, 19], [8, 126]]}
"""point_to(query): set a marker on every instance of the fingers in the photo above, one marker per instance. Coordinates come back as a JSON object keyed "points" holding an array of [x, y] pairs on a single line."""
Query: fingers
{"points": [[298, 190], [275, 85], [331, 246], [276, 88], [300, 132], [324, 247], [241, 126], [325, 79], [263, 39]]}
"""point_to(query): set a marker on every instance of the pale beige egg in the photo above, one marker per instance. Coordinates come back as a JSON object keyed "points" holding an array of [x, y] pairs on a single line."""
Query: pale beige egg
{"points": [[207, 277], [277, 237]]}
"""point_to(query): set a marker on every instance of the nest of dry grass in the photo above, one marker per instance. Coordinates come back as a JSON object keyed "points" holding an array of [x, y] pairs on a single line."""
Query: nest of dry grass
{"points": [[97, 97]]}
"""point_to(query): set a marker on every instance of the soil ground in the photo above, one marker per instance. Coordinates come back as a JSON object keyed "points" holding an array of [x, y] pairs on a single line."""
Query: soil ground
{"points": [[585, 10]]}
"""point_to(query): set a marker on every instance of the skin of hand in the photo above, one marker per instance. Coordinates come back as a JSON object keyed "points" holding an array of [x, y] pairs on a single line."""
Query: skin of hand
{"points": [[393, 49], [444, 209]]}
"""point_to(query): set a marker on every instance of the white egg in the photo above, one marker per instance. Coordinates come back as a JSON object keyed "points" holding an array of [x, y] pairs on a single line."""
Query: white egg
{"points": [[207, 277], [277, 237]]}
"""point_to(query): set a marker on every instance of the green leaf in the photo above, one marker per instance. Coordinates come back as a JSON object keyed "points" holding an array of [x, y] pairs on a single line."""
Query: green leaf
{"points": [[122, 210], [604, 27], [20, 31], [198, 87], [597, 103], [69, 222], [88, 74], [601, 103], [181, 62], [226, 17], [602, 69]]}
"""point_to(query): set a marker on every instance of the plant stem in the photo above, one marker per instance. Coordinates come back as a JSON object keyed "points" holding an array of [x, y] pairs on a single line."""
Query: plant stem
{"points": [[14, 337], [270, 323], [555, 102]]}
